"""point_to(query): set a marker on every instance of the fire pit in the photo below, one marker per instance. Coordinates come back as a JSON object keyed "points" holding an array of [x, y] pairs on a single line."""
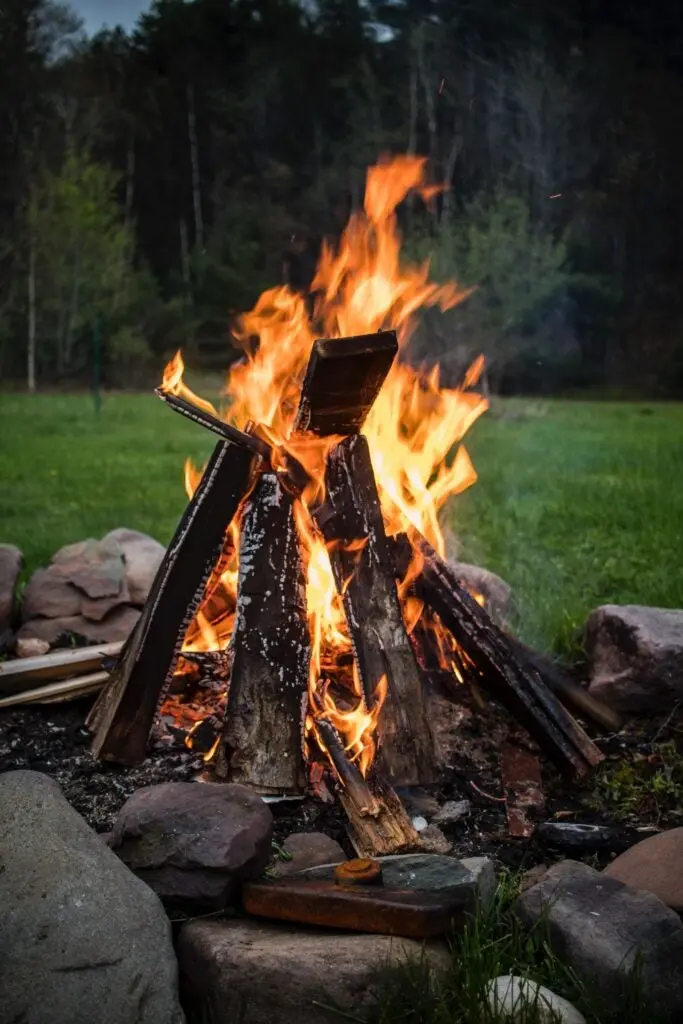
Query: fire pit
{"points": [[310, 557]]}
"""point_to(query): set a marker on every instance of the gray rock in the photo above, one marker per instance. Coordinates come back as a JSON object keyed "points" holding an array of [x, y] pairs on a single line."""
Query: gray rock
{"points": [[574, 837], [418, 802], [636, 657], [95, 567], [11, 561], [432, 840], [31, 648], [142, 556], [516, 997], [192, 842], [81, 939], [497, 594], [307, 850], [601, 928], [452, 811], [50, 595], [115, 626], [485, 879], [257, 973]]}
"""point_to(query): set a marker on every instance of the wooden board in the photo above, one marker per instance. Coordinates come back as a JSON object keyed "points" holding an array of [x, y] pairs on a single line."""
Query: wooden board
{"points": [[123, 715], [342, 381], [261, 744]]}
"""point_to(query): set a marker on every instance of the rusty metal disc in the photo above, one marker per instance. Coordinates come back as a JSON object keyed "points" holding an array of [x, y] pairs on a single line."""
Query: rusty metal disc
{"points": [[360, 871]]}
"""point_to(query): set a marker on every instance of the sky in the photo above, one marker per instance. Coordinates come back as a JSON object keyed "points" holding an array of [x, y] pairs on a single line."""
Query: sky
{"points": [[97, 13]]}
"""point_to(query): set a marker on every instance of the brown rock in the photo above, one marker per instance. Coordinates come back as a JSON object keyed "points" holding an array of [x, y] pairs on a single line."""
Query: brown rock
{"points": [[142, 556], [94, 566], [31, 648], [11, 561], [432, 840], [655, 865], [308, 850], [49, 595], [115, 626], [192, 842], [257, 973], [497, 594]]}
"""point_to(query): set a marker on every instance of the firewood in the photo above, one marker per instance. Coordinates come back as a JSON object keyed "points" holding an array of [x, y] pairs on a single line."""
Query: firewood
{"points": [[27, 673], [364, 575], [388, 830], [61, 690], [262, 738], [498, 669], [123, 715], [343, 379]]}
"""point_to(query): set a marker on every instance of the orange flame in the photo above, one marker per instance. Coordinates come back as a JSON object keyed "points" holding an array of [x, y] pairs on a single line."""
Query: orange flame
{"points": [[361, 287]]}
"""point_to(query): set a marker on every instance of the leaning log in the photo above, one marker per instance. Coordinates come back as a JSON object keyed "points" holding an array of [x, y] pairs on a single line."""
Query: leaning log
{"points": [[352, 525], [498, 670], [123, 715], [262, 740], [343, 378]]}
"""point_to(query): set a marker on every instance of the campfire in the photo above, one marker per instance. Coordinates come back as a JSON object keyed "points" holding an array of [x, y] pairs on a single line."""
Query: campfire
{"points": [[309, 567]]}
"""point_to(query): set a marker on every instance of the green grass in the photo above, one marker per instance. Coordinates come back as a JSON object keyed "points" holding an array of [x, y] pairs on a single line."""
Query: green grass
{"points": [[577, 503]]}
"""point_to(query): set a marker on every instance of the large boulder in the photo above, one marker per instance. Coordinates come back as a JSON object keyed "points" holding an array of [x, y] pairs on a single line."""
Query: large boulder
{"points": [[115, 626], [636, 657], [655, 864], [604, 929], [257, 973], [142, 556], [192, 842], [81, 938], [11, 561]]}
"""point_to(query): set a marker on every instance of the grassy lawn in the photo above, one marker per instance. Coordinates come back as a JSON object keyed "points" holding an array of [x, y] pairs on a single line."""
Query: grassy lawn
{"points": [[577, 504]]}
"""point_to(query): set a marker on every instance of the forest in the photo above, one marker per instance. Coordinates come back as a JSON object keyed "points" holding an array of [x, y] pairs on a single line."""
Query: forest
{"points": [[153, 183]]}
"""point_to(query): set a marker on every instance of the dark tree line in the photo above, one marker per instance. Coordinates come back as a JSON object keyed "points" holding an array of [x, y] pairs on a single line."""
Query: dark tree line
{"points": [[153, 183]]}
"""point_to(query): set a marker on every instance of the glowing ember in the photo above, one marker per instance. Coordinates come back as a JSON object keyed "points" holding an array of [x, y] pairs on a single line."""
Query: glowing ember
{"points": [[361, 287]]}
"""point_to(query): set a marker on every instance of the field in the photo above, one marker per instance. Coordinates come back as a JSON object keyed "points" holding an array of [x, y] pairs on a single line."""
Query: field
{"points": [[577, 503]]}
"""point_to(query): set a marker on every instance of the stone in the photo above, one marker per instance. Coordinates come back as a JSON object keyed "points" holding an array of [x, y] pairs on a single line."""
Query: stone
{"points": [[432, 840], [635, 657], [193, 842], [257, 973], [419, 823], [532, 876], [95, 567], [655, 864], [452, 811], [475, 877], [49, 595], [117, 625], [11, 562], [142, 556], [418, 802], [497, 594], [516, 997], [81, 938], [602, 928], [31, 648], [575, 837], [307, 850]]}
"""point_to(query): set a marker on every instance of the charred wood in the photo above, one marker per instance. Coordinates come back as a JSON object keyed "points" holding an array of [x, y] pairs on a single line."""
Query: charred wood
{"points": [[352, 525], [263, 735], [498, 670], [123, 715]]}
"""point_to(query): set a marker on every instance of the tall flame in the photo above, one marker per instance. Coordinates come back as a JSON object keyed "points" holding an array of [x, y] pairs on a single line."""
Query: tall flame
{"points": [[360, 287]]}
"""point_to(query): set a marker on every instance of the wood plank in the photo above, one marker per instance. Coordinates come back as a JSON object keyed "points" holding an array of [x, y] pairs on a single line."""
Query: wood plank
{"points": [[343, 378], [262, 741], [365, 577], [123, 715], [58, 691], [27, 673]]}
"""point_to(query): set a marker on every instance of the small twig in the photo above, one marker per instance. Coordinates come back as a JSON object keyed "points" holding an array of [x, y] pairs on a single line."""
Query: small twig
{"points": [[481, 792], [338, 1012], [665, 723]]}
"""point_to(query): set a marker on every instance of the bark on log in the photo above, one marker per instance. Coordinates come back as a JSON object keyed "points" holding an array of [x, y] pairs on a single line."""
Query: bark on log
{"points": [[343, 378], [365, 577], [28, 673], [262, 741], [520, 690], [123, 715]]}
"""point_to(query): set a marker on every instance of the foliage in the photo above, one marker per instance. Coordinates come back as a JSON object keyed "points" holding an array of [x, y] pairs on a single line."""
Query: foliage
{"points": [[645, 785]]}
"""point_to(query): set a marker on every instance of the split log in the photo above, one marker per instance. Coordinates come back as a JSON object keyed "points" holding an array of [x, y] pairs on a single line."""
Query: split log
{"points": [[27, 673], [56, 692], [499, 671], [343, 378], [388, 831], [262, 740], [123, 715], [365, 577]]}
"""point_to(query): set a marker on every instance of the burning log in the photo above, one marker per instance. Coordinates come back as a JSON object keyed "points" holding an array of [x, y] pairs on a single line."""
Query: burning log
{"points": [[519, 689], [28, 673], [123, 715], [364, 576], [262, 739], [343, 378]]}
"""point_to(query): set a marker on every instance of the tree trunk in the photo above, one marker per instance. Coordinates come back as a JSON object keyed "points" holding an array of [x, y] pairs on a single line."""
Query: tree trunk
{"points": [[31, 349], [196, 178]]}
